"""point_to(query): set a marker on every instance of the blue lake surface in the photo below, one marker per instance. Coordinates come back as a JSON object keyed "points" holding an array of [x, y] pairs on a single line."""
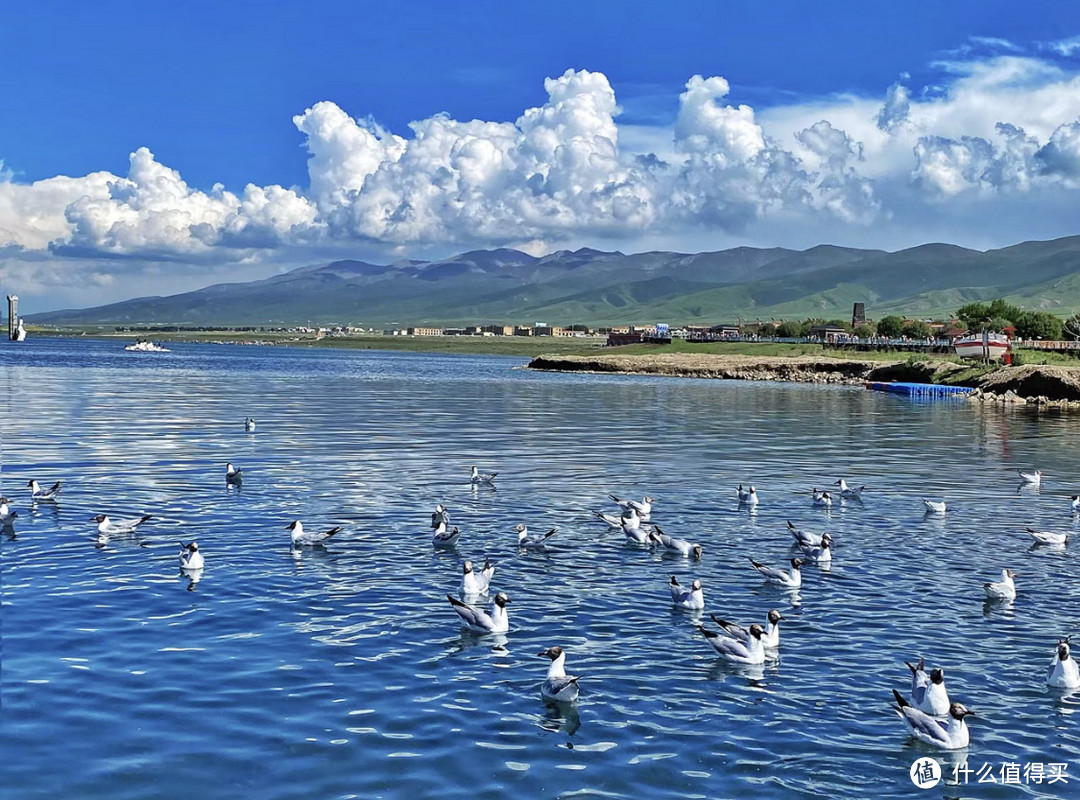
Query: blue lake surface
{"points": [[342, 672]]}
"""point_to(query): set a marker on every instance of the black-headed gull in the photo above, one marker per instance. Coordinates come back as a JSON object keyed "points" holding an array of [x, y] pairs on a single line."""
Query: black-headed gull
{"points": [[233, 474], [747, 496], [633, 531], [781, 577], [473, 582], [441, 537], [558, 686], [1004, 589], [1048, 537], [819, 553], [681, 546], [483, 479], [643, 508], [848, 492], [692, 598], [1063, 672], [630, 516], [935, 506], [115, 527], [480, 621], [190, 557], [301, 537], [950, 735], [535, 540], [770, 638], [805, 537], [37, 493], [1034, 477], [1074, 502], [928, 693], [820, 499], [7, 515], [440, 517], [750, 652], [249, 424]]}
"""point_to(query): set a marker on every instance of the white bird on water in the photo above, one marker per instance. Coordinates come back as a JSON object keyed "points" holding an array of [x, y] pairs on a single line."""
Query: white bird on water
{"points": [[1034, 477], [1074, 502], [301, 537], [750, 652], [1004, 589], [928, 693], [473, 582], [483, 479], [558, 686], [37, 493], [1063, 672], [681, 546], [781, 577], [440, 517], [535, 541], [747, 496], [633, 531], [819, 553], [1048, 537], [445, 538], [109, 527], [770, 638], [643, 508], [7, 516], [630, 516], [821, 499], [481, 622], [949, 735], [233, 474], [249, 424], [848, 492], [805, 537], [692, 598], [190, 557], [935, 506]]}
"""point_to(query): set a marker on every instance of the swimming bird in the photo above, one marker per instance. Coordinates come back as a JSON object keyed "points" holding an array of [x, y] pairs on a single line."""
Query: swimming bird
{"points": [[935, 506], [692, 598], [109, 527], [928, 693], [629, 516], [1034, 477], [440, 517], [1063, 672], [1048, 537], [847, 492], [643, 508], [791, 580], [481, 622], [949, 735], [473, 582], [445, 538], [7, 515], [1075, 503], [1003, 589], [233, 474], [821, 499], [680, 546], [819, 552], [301, 537], [535, 541], [750, 652], [249, 424], [37, 493], [633, 531], [479, 478], [190, 557], [770, 638], [558, 685], [747, 496], [805, 537]]}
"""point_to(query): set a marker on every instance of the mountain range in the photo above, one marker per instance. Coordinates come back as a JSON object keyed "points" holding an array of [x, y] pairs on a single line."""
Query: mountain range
{"points": [[596, 287]]}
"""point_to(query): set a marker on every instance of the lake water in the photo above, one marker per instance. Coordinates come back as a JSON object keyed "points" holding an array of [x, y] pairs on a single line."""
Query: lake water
{"points": [[343, 672]]}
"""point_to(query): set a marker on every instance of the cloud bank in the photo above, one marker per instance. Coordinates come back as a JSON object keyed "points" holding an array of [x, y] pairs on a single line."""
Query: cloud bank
{"points": [[995, 145]]}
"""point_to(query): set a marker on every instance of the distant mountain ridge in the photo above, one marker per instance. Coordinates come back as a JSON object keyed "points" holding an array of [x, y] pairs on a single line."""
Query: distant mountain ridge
{"points": [[596, 287]]}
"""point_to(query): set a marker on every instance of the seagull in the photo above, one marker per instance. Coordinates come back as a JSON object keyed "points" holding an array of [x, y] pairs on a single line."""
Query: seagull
{"points": [[479, 621], [643, 508], [680, 546], [479, 478], [558, 685], [805, 537], [190, 557], [820, 552], [232, 474], [108, 527], [1063, 672], [747, 496], [633, 531], [847, 493], [249, 424], [473, 582], [1046, 537], [7, 516], [301, 537], [693, 598], [934, 506], [444, 538], [1075, 503], [821, 499], [37, 493], [770, 638], [1034, 478], [628, 516], [535, 541], [441, 516], [950, 735], [928, 692], [1004, 589], [791, 580], [752, 652]]}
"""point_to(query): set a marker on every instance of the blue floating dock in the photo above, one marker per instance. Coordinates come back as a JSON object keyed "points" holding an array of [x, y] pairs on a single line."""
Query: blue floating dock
{"points": [[928, 390]]}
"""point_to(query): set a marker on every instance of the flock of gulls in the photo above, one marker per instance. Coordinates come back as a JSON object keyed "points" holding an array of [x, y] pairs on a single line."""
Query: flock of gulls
{"points": [[928, 713]]}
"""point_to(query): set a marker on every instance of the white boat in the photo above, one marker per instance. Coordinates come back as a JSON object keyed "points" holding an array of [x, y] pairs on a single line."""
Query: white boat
{"points": [[985, 345], [143, 346], [20, 332]]}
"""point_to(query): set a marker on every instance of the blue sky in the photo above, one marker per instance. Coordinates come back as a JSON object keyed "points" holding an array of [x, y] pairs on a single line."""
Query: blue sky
{"points": [[152, 148]]}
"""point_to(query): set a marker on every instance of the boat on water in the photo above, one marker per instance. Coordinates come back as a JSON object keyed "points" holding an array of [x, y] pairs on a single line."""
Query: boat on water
{"points": [[984, 346], [20, 332], [145, 346]]}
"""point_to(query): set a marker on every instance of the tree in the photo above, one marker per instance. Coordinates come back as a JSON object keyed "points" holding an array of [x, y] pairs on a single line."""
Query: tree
{"points": [[997, 324], [840, 323], [891, 327], [864, 330], [917, 329], [976, 316], [789, 329], [1038, 325], [1072, 327]]}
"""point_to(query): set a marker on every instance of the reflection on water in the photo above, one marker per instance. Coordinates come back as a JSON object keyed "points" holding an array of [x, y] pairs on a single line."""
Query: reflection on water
{"points": [[280, 673]]}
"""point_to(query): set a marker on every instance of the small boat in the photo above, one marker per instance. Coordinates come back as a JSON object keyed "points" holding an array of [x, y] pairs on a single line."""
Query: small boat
{"points": [[144, 346], [985, 345], [20, 332]]}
